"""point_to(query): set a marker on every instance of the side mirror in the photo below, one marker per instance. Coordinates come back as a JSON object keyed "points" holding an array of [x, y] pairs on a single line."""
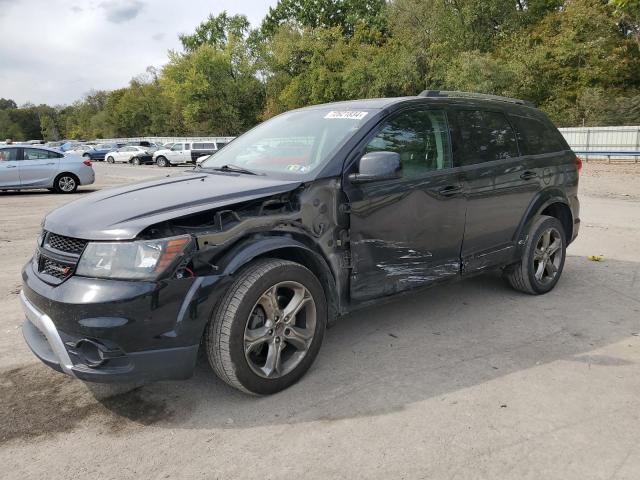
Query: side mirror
{"points": [[375, 166]]}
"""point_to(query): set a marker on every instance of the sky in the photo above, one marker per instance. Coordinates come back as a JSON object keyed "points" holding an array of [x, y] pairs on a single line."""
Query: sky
{"points": [[56, 51]]}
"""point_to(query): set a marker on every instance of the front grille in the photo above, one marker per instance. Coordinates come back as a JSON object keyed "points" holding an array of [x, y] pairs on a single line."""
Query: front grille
{"points": [[74, 246], [53, 268]]}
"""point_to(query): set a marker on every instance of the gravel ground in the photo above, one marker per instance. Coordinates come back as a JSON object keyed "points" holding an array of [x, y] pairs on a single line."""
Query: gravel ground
{"points": [[464, 381]]}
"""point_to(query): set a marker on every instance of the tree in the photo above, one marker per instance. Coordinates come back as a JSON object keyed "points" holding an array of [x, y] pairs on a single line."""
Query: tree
{"points": [[342, 14], [7, 103]]}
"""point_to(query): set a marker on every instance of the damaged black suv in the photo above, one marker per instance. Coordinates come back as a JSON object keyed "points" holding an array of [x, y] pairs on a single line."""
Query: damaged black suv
{"points": [[306, 217]]}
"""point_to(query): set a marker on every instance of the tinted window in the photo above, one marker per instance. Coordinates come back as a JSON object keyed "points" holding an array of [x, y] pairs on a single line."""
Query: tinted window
{"points": [[536, 136], [198, 146], [421, 137], [8, 154], [483, 137]]}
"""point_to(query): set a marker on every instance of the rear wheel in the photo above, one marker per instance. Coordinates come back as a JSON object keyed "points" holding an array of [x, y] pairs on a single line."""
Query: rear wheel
{"points": [[162, 162], [110, 160], [267, 329], [543, 259], [65, 183]]}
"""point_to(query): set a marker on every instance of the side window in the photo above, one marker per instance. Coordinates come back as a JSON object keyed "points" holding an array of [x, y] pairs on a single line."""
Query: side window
{"points": [[177, 147], [8, 154], [198, 146], [483, 136], [536, 137], [54, 155], [421, 137], [35, 154], [187, 146]]}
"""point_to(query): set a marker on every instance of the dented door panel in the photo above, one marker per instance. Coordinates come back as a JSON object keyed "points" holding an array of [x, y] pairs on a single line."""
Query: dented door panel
{"points": [[404, 234]]}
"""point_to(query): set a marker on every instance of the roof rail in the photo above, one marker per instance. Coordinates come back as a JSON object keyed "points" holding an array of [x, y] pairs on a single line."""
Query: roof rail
{"points": [[479, 96]]}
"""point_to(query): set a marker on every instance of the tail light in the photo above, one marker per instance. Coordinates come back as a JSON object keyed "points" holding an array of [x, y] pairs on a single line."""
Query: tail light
{"points": [[87, 162], [578, 164]]}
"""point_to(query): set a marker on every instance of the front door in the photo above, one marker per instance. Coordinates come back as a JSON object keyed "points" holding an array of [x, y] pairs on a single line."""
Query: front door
{"points": [[38, 167], [407, 232], [175, 154], [9, 167]]}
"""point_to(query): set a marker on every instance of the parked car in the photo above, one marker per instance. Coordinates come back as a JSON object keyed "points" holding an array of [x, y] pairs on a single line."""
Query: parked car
{"points": [[202, 158], [98, 152], [29, 167], [149, 146], [130, 154], [185, 152], [179, 153], [306, 217]]}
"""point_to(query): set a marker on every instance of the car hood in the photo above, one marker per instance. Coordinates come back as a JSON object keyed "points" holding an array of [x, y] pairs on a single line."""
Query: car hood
{"points": [[122, 213]]}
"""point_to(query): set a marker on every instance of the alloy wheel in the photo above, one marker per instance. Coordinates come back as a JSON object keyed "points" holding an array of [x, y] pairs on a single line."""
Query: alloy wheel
{"points": [[547, 256], [280, 329], [67, 184]]}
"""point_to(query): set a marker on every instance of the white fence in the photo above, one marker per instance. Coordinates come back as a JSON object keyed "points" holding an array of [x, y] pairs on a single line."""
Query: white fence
{"points": [[603, 140]]}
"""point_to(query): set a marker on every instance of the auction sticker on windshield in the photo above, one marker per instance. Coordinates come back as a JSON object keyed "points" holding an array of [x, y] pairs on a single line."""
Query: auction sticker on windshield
{"points": [[350, 115]]}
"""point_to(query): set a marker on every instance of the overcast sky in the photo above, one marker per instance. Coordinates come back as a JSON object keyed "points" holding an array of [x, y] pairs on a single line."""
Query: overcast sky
{"points": [[55, 51]]}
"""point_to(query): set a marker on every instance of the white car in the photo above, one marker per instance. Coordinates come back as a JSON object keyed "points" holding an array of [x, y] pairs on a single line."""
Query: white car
{"points": [[178, 153], [129, 154]]}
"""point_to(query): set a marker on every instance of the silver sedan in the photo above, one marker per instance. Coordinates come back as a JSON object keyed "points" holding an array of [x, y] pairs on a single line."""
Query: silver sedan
{"points": [[23, 167]]}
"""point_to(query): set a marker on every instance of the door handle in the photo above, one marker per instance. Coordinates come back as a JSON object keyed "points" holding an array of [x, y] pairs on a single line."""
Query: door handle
{"points": [[528, 175], [450, 190]]}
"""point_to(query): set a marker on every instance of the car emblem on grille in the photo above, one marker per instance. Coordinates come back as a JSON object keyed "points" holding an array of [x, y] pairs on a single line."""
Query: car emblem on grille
{"points": [[60, 269]]}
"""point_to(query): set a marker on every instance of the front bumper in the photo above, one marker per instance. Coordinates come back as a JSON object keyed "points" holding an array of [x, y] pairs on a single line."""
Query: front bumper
{"points": [[115, 331]]}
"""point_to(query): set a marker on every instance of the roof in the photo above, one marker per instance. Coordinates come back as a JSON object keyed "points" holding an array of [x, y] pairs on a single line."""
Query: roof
{"points": [[429, 96]]}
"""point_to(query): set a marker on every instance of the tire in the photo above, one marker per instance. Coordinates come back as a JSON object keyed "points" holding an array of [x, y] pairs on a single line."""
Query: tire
{"points": [[110, 160], [66, 183], [86, 155], [135, 161], [240, 313], [162, 162], [538, 271]]}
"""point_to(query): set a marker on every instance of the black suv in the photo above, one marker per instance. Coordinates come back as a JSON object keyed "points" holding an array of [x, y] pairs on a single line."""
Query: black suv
{"points": [[308, 216]]}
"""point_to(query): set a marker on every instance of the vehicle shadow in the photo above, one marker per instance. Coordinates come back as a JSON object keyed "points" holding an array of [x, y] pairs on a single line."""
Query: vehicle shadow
{"points": [[37, 193], [373, 362], [420, 346]]}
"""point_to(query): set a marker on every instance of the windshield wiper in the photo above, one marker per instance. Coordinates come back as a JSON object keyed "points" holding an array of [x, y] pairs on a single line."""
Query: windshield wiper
{"points": [[235, 169]]}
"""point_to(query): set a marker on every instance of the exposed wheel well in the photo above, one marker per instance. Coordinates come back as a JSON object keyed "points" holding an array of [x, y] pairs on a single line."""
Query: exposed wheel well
{"points": [[319, 268], [563, 213]]}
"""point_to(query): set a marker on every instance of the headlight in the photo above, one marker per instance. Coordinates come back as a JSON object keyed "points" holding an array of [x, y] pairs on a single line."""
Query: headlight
{"points": [[144, 259]]}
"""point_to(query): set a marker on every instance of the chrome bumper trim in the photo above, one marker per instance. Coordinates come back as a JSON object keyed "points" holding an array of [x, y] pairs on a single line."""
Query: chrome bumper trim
{"points": [[44, 323]]}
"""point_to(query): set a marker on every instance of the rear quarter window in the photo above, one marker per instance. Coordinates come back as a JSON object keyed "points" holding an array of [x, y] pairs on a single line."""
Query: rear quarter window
{"points": [[537, 136]]}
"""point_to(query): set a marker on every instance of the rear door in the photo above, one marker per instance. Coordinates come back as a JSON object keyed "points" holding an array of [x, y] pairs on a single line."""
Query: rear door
{"points": [[499, 185], [38, 167], [9, 167], [407, 232]]}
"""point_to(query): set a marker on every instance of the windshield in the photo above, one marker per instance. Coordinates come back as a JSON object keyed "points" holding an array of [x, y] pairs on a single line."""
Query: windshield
{"points": [[294, 143]]}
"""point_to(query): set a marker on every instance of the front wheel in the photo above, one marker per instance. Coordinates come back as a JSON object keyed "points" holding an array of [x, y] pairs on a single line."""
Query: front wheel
{"points": [[267, 329], [110, 160], [543, 259], [162, 162]]}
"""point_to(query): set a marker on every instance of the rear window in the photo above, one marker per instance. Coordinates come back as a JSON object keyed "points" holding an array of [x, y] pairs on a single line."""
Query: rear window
{"points": [[483, 136], [536, 136]]}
